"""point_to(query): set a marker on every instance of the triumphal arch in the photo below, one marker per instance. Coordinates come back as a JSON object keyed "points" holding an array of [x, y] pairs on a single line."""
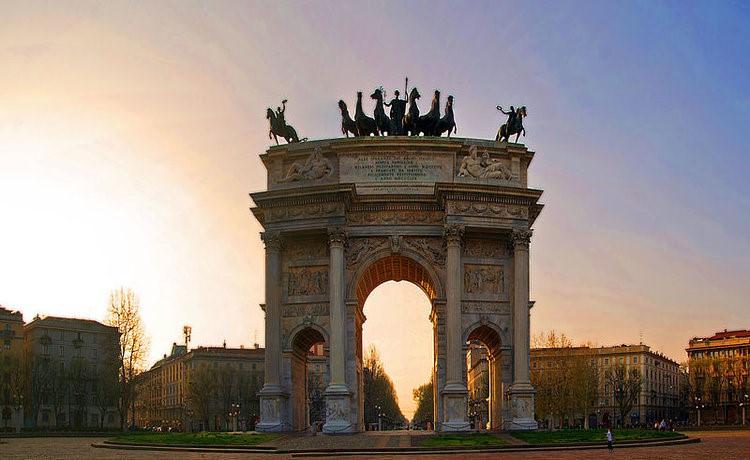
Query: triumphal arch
{"points": [[341, 216]]}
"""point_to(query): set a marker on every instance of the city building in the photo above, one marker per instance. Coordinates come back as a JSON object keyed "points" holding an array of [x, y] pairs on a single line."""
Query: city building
{"points": [[205, 388], [718, 376], [11, 369], [477, 382], [659, 392], [72, 373]]}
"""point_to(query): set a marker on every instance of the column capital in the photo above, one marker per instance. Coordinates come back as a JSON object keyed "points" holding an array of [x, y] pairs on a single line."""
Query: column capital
{"points": [[521, 238], [273, 241], [336, 235], [453, 234]]}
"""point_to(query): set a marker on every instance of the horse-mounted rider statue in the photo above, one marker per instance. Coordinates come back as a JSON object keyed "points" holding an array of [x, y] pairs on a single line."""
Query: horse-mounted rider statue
{"points": [[278, 126], [514, 125]]}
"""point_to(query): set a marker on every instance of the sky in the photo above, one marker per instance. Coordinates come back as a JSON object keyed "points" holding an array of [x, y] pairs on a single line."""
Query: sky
{"points": [[130, 135]]}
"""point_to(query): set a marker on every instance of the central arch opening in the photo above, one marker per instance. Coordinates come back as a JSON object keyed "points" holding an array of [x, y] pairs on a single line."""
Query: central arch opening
{"points": [[398, 325]]}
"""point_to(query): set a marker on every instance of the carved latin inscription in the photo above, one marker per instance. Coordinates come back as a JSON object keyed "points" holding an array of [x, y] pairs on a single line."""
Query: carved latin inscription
{"points": [[304, 281], [395, 167], [485, 307], [483, 279], [305, 310]]}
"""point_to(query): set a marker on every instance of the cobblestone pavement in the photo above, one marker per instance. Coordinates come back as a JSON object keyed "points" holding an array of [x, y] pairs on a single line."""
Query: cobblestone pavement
{"points": [[715, 445]]}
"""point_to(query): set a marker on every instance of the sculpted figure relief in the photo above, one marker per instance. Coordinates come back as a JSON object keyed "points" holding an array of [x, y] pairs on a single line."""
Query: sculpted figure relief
{"points": [[483, 167], [483, 279], [315, 167], [305, 281]]}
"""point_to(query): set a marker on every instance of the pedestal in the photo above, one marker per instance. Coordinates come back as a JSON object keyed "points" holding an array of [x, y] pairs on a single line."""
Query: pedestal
{"points": [[521, 408], [454, 408], [338, 410], [274, 409]]}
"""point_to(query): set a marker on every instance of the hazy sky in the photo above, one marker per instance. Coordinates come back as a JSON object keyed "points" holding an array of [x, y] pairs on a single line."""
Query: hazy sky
{"points": [[130, 134]]}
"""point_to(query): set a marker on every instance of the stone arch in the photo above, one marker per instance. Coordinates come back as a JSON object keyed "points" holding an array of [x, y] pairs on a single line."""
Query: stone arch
{"points": [[490, 336], [301, 340], [384, 265]]}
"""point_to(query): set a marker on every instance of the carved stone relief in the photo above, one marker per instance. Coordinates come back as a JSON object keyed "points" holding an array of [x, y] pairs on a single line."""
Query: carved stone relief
{"points": [[485, 307], [395, 217], [315, 167], [483, 279], [485, 248], [431, 249], [483, 166], [359, 248], [471, 208], [303, 212], [305, 281], [306, 249], [291, 311]]}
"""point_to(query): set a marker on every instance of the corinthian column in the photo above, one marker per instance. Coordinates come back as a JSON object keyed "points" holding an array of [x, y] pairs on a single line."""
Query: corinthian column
{"points": [[339, 418], [521, 392], [274, 414], [454, 392]]}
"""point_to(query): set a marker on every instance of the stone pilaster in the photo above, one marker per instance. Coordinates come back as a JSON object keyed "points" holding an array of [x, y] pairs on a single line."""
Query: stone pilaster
{"points": [[338, 396], [455, 393], [274, 399], [521, 392]]}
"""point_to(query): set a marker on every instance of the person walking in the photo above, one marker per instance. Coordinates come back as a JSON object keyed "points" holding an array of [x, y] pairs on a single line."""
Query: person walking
{"points": [[610, 438]]}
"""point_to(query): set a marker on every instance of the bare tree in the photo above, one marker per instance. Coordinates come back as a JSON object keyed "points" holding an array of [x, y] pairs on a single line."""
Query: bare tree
{"points": [[626, 386], [200, 390], [124, 314], [226, 379]]}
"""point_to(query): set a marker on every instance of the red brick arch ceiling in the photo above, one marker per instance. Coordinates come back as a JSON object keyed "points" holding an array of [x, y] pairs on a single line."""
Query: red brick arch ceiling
{"points": [[394, 268]]}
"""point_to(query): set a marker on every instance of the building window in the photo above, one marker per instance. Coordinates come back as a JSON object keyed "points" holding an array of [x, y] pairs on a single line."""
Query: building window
{"points": [[635, 360], [7, 344], [606, 360]]}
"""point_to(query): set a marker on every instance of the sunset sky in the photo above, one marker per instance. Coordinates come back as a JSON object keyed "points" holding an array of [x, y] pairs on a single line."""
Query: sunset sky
{"points": [[130, 134]]}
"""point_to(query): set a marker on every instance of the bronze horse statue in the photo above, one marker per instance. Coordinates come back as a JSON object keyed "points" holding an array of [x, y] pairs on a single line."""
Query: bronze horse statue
{"points": [[514, 125], [278, 126], [427, 123], [447, 123], [365, 125], [347, 124], [381, 119], [412, 115]]}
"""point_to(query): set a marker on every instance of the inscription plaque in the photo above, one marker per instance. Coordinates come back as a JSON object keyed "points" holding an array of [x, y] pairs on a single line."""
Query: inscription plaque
{"points": [[395, 172]]}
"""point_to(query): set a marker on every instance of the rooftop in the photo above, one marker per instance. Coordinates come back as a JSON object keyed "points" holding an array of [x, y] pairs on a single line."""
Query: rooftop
{"points": [[68, 323]]}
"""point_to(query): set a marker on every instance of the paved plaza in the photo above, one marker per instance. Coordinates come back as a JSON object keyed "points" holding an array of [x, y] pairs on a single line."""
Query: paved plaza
{"points": [[717, 445]]}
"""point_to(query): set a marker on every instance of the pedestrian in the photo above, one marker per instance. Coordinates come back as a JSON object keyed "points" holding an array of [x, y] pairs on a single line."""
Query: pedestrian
{"points": [[610, 438]]}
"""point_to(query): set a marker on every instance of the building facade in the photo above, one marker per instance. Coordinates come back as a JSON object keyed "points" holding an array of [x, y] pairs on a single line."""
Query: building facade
{"points": [[718, 377], [72, 373], [11, 369], [658, 397], [477, 381], [206, 388]]}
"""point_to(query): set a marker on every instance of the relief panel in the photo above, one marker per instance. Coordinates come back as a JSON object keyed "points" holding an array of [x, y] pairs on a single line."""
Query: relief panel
{"points": [[307, 281]]}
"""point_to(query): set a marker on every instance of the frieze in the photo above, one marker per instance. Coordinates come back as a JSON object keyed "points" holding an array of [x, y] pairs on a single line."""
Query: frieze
{"points": [[483, 166], [293, 311], [488, 210], [305, 281], [395, 218], [314, 168], [306, 249], [483, 279], [485, 307], [302, 212], [485, 248]]}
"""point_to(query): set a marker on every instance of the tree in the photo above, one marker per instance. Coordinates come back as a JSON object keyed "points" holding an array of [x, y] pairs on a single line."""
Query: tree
{"points": [[124, 313], [200, 391], [423, 396], [584, 374], [626, 386], [77, 383], [716, 383], [380, 395], [316, 396], [105, 388], [249, 384], [226, 379]]}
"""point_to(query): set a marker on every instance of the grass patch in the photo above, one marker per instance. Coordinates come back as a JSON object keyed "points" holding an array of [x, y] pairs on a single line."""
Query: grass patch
{"points": [[595, 435], [202, 438], [471, 439]]}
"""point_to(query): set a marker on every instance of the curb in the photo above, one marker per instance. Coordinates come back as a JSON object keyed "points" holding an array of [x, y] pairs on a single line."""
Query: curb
{"points": [[393, 450]]}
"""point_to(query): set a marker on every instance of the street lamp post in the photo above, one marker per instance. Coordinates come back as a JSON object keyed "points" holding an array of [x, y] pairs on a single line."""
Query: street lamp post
{"points": [[743, 404], [380, 423]]}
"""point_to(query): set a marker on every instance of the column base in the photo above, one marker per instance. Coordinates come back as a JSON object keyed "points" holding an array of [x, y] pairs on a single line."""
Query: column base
{"points": [[455, 398], [338, 410], [274, 410], [521, 408]]}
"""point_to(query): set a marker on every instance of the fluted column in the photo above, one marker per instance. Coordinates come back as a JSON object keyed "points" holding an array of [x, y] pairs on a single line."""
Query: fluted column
{"points": [[339, 418], [453, 236], [336, 238], [455, 395], [521, 391], [274, 407], [521, 240]]}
